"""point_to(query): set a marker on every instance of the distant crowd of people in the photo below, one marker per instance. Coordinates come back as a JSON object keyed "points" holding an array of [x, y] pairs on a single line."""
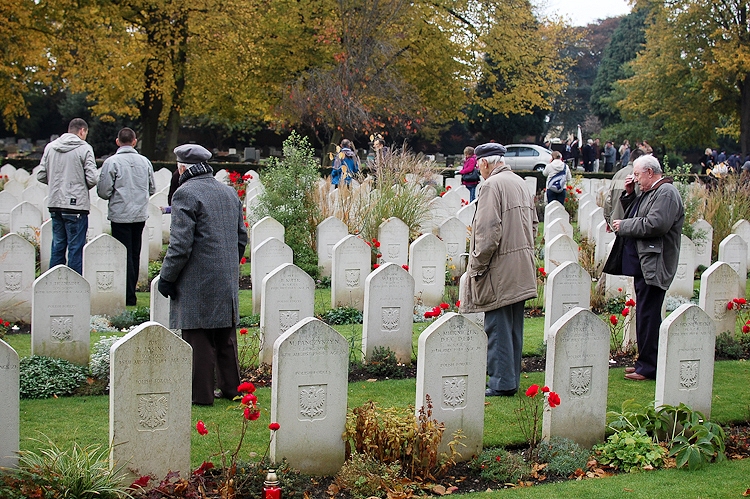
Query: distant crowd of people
{"points": [[594, 157]]}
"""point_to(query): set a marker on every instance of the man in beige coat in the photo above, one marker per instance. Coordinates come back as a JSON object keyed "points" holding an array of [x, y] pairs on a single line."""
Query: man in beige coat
{"points": [[502, 271]]}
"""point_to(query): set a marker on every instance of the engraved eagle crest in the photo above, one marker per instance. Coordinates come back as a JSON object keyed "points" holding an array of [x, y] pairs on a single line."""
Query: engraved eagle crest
{"points": [[720, 309], [105, 280], [454, 391], [152, 411], [61, 327], [287, 319], [689, 374], [394, 249], [312, 401], [390, 318], [352, 278], [13, 280], [580, 381], [428, 275]]}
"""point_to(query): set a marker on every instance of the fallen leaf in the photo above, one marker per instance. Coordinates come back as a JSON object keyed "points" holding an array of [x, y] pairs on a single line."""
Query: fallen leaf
{"points": [[451, 490], [439, 490], [627, 490], [372, 380], [747, 493], [306, 495], [488, 490], [333, 489]]}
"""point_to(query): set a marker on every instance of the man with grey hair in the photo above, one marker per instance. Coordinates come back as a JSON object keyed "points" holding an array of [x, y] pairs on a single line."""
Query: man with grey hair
{"points": [[200, 272], [501, 270], [69, 168], [651, 232]]}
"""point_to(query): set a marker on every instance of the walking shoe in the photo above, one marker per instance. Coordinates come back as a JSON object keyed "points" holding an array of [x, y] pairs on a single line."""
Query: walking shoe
{"points": [[630, 370], [635, 377]]}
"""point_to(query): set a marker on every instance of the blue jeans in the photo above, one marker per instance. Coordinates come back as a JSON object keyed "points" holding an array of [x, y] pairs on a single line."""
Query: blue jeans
{"points": [[68, 234], [472, 191]]}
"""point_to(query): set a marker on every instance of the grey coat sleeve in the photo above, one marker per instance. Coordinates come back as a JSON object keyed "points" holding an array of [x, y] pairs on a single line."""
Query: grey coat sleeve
{"points": [[106, 185], [181, 237], [89, 167], [662, 212]]}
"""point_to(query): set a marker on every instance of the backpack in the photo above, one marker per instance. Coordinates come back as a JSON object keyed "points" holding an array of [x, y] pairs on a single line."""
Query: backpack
{"points": [[558, 182]]}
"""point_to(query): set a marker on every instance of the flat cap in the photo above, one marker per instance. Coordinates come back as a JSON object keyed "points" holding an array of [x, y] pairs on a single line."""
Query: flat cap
{"points": [[490, 149], [191, 154]]}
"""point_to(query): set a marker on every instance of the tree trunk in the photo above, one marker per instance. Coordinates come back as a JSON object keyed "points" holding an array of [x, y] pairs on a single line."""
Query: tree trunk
{"points": [[179, 61], [150, 110], [745, 116]]}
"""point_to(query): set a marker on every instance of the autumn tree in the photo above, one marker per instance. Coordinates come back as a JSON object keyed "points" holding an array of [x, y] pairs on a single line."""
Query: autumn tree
{"points": [[692, 80]]}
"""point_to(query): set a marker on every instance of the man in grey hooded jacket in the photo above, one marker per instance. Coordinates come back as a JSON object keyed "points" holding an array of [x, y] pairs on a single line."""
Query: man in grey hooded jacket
{"points": [[127, 181], [69, 168]]}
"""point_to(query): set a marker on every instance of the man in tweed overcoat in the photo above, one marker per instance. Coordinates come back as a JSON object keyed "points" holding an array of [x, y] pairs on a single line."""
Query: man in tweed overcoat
{"points": [[200, 272]]}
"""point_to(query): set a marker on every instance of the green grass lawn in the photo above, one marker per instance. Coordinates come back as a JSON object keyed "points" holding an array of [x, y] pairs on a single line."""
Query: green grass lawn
{"points": [[84, 420]]}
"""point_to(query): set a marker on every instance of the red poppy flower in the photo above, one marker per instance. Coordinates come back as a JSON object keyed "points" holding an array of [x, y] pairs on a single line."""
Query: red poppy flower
{"points": [[613, 319], [251, 414], [566, 200], [243, 261], [532, 390], [6, 323], [378, 255], [247, 224], [203, 468], [448, 188], [458, 303], [201, 427], [553, 399], [741, 301], [730, 305], [405, 267], [249, 399], [746, 329], [578, 191], [375, 265], [246, 387], [428, 314], [243, 331], [274, 426], [377, 244], [241, 192], [619, 290], [630, 303], [625, 311], [445, 306], [545, 389]]}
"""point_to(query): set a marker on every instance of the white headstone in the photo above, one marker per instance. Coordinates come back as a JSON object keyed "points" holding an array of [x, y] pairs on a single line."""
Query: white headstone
{"points": [[14, 188], [556, 227], [61, 315], [733, 250], [685, 366], [466, 214], [45, 246], [105, 265], [288, 297], [154, 230], [7, 202], [595, 217], [427, 266], [266, 256], [584, 216], [742, 229], [160, 199], [389, 312], [451, 370], [719, 284], [150, 425], [329, 232], [17, 267], [703, 235], [393, 235], [351, 265], [554, 210], [143, 262], [159, 304], [162, 178], [682, 285], [567, 287], [264, 228], [603, 238], [309, 397], [454, 200], [559, 250], [531, 185], [577, 370], [9, 409], [26, 221], [453, 233], [439, 210]]}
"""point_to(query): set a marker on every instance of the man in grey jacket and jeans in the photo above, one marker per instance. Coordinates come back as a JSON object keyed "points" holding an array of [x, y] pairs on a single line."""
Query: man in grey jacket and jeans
{"points": [[127, 181], [69, 168]]}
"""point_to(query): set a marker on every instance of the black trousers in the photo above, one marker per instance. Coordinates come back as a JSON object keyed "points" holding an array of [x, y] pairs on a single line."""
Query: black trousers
{"points": [[130, 236], [213, 350], [649, 300]]}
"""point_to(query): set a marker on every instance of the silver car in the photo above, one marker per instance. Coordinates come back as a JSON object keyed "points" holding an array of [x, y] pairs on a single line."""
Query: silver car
{"points": [[527, 157]]}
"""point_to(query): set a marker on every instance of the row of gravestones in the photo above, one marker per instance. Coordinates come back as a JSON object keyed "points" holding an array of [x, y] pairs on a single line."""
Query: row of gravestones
{"points": [[150, 398]]}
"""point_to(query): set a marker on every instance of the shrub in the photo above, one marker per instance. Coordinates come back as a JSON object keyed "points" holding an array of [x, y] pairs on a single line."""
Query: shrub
{"points": [[630, 451], [43, 377], [390, 435], [342, 315], [728, 347], [501, 466], [99, 363], [154, 268], [364, 476], [563, 456], [252, 320], [83, 473], [289, 185], [130, 318], [383, 364]]}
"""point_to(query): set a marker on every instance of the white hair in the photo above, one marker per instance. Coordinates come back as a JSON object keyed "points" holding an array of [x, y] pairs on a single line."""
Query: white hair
{"points": [[495, 160], [649, 162]]}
